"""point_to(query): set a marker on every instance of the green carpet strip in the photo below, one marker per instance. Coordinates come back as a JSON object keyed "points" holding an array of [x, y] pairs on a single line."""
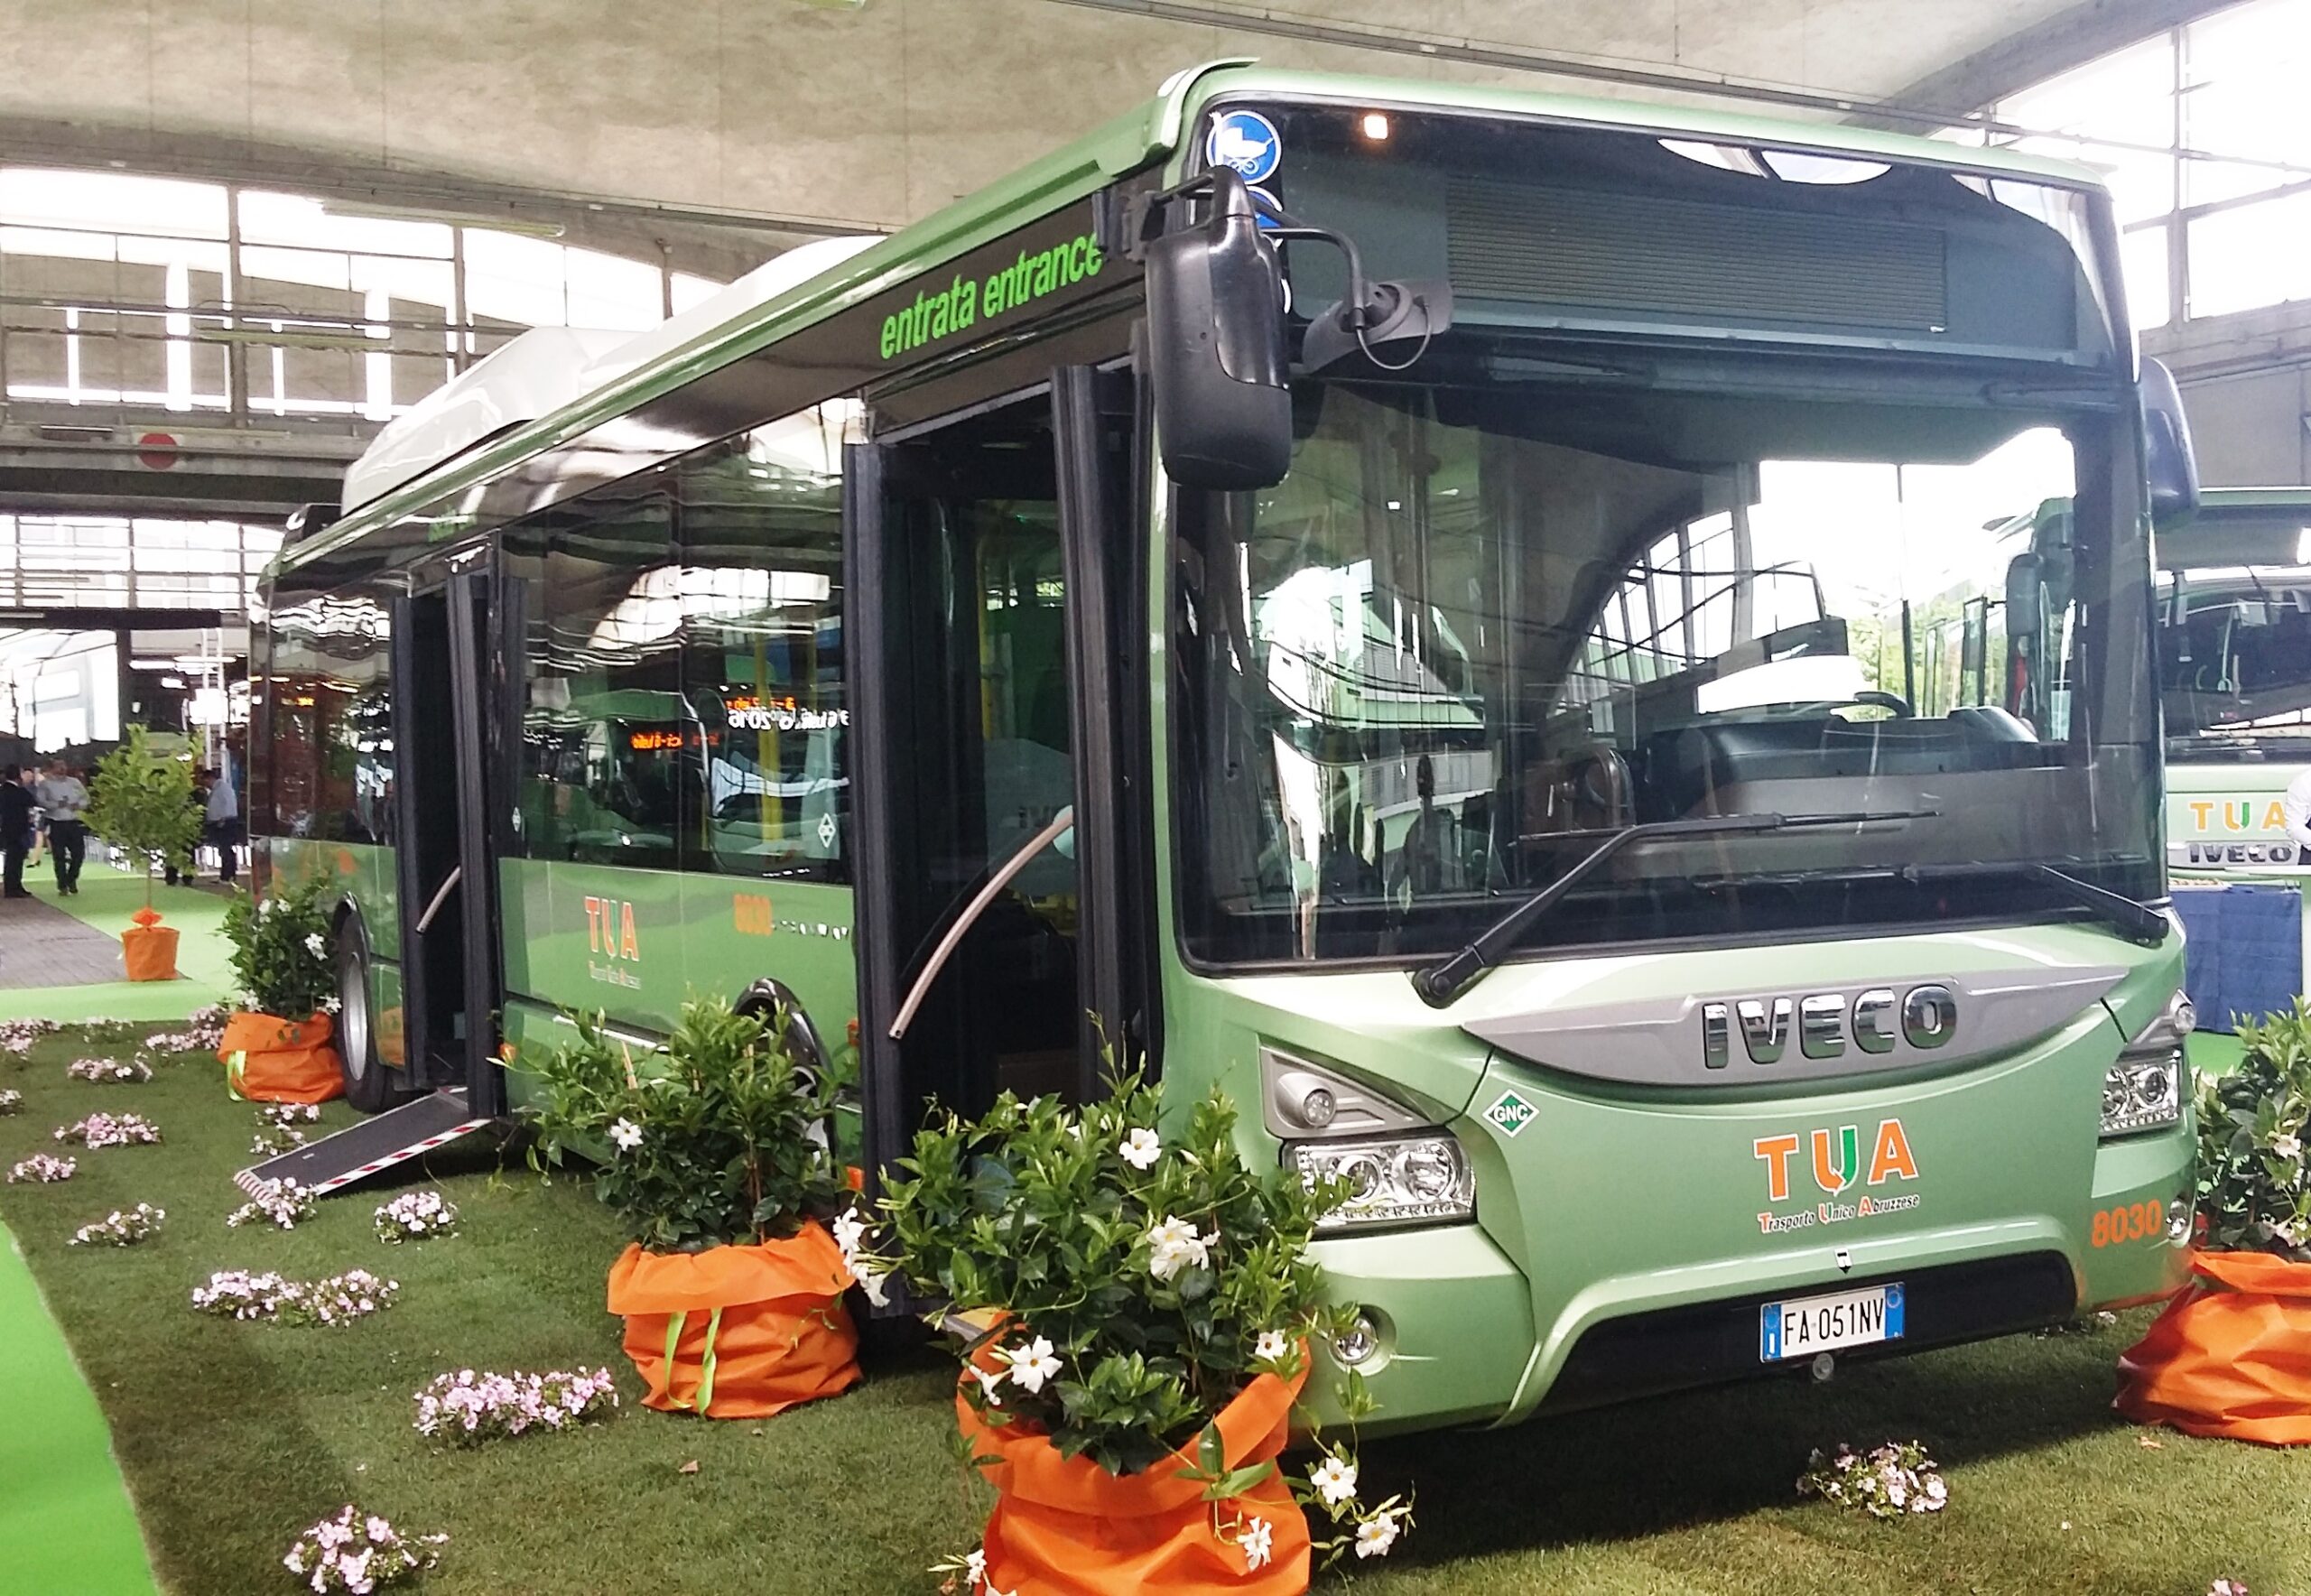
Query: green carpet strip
{"points": [[65, 1521]]}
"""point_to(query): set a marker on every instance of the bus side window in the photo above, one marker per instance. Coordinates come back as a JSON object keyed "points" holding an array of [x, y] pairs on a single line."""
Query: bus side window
{"points": [[762, 662], [610, 755]]}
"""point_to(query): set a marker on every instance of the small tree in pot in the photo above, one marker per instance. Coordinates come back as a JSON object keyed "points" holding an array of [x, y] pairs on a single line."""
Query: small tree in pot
{"points": [[142, 800], [276, 1046], [2231, 1355], [1148, 1309], [709, 1150]]}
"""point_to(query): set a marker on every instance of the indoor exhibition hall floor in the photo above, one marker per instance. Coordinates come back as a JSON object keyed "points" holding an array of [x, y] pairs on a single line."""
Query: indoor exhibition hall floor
{"points": [[233, 1436], [60, 957]]}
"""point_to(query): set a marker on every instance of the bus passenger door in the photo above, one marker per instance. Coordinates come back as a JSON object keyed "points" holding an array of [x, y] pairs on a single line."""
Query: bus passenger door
{"points": [[447, 873], [983, 939]]}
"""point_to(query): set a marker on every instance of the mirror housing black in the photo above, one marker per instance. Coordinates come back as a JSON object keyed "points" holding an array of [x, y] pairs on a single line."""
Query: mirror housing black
{"points": [[2174, 467], [1216, 348]]}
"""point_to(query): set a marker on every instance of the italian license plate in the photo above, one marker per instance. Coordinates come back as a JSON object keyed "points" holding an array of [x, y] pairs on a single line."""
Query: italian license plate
{"points": [[1807, 1325]]}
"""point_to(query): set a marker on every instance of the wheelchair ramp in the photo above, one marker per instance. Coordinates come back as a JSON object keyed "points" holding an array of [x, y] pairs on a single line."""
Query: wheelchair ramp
{"points": [[360, 1151]]}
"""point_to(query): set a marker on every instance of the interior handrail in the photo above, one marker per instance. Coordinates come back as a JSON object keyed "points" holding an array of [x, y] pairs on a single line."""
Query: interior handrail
{"points": [[1059, 827]]}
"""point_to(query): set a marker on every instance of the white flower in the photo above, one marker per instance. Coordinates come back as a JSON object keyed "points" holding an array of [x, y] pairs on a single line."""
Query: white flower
{"points": [[1937, 1493], [332, 1004], [1334, 1482], [1141, 1148], [2288, 1148], [626, 1134], [1270, 1348], [849, 1230], [1259, 1544], [1173, 1245], [1377, 1534], [315, 945], [988, 1378], [1032, 1364]]}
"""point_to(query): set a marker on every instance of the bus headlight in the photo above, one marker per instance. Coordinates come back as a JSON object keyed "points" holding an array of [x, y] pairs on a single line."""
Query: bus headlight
{"points": [[2144, 1090], [1393, 1180]]}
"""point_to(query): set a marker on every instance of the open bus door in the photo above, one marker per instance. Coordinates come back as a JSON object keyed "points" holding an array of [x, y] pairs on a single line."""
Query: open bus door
{"points": [[447, 1070], [1001, 923]]}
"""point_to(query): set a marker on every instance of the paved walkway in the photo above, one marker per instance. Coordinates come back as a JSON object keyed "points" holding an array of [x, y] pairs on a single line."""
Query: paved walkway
{"points": [[66, 1525], [41, 945], [98, 912]]}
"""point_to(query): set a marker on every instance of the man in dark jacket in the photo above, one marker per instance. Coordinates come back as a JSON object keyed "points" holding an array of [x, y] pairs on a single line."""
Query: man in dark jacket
{"points": [[15, 830]]}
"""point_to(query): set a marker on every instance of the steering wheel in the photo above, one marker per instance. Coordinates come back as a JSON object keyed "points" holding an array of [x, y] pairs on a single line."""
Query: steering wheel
{"points": [[1886, 701]]}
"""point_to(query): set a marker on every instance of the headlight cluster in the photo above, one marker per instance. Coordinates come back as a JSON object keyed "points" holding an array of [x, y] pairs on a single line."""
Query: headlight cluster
{"points": [[1392, 1181], [2144, 1090]]}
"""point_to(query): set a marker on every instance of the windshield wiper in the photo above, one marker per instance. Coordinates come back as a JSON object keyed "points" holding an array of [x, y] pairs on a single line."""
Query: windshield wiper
{"points": [[1441, 983], [2138, 922]]}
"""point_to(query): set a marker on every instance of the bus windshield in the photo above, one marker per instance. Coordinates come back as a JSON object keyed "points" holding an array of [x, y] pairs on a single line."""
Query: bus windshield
{"points": [[1478, 628], [2235, 659]]}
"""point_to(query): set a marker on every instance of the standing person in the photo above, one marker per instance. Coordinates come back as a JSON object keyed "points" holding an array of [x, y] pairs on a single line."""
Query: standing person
{"points": [[15, 830], [222, 823], [63, 798], [188, 869]]}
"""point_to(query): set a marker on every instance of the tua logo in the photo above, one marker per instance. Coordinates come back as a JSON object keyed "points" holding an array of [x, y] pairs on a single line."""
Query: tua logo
{"points": [[609, 928], [1837, 1158]]}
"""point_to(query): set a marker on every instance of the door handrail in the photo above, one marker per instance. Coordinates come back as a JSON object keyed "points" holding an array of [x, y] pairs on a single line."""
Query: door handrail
{"points": [[1059, 827], [449, 885]]}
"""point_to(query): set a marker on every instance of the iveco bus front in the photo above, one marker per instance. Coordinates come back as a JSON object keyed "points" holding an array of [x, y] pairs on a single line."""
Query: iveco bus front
{"points": [[1575, 811]]}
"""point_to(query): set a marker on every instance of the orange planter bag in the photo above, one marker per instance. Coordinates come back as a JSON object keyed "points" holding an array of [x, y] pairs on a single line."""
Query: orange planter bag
{"points": [[1065, 1526], [738, 1332], [2230, 1356], [148, 949], [270, 1059]]}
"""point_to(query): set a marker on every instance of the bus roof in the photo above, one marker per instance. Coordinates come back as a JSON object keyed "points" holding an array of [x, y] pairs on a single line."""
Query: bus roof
{"points": [[1140, 138]]}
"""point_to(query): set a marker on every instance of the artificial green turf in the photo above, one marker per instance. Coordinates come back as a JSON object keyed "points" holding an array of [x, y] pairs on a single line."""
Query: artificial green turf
{"points": [[65, 1522], [233, 1436], [106, 898]]}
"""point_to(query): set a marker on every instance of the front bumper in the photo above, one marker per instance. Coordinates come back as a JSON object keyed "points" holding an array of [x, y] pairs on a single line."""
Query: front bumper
{"points": [[1466, 1335]]}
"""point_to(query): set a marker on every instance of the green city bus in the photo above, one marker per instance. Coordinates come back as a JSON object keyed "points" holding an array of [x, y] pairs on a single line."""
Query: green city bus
{"points": [[1412, 603], [2234, 631]]}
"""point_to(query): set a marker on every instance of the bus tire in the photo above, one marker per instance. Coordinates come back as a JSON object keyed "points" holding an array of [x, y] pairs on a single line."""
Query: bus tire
{"points": [[367, 1087]]}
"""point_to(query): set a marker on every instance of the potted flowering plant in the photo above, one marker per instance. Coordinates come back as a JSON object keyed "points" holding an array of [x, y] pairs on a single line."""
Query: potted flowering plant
{"points": [[2232, 1354], [275, 1048], [705, 1148], [1146, 1308], [142, 799]]}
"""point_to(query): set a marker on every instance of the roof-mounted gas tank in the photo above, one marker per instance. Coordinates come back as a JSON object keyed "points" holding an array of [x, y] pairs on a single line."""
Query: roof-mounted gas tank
{"points": [[542, 368]]}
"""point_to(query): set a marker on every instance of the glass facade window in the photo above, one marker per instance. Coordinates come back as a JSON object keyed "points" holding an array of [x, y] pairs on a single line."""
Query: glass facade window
{"points": [[159, 293], [2200, 133]]}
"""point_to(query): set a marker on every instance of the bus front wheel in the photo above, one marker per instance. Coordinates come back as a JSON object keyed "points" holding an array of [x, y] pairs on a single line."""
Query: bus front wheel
{"points": [[366, 1086]]}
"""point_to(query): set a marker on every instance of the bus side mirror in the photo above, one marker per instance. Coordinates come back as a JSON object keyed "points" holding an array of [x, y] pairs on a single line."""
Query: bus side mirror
{"points": [[1215, 346], [2166, 433]]}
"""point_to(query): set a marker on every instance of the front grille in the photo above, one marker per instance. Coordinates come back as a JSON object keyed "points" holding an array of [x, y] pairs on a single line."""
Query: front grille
{"points": [[1694, 259], [1675, 1349]]}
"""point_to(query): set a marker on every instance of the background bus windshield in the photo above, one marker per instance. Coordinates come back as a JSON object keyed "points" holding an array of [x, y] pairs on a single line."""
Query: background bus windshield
{"points": [[1477, 628]]}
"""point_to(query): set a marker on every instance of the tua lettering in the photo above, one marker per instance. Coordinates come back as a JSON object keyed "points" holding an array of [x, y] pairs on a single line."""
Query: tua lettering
{"points": [[1836, 1158], [609, 928]]}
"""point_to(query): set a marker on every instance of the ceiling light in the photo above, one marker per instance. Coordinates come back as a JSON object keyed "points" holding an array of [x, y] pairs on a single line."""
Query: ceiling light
{"points": [[1376, 125]]}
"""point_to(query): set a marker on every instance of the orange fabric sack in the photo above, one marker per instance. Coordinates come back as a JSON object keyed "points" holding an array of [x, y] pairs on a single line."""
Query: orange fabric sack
{"points": [[270, 1059], [1065, 1526], [148, 949], [738, 1332], [2230, 1356]]}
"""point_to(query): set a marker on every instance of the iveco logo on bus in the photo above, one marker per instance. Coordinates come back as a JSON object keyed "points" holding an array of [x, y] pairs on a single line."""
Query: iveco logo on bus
{"points": [[1873, 1021]]}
